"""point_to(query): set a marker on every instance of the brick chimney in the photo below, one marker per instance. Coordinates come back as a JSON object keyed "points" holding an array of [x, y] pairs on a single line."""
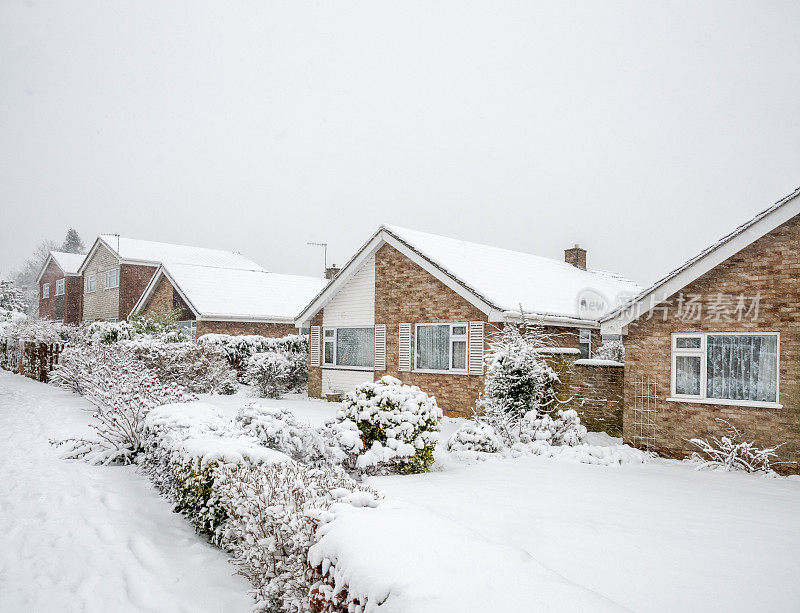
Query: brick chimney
{"points": [[576, 256], [331, 271]]}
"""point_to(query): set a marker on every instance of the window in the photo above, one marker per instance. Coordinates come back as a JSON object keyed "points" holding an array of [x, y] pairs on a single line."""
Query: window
{"points": [[112, 320], [441, 347], [349, 347], [60, 287], [189, 328], [585, 343], [45, 290], [112, 278], [59, 321], [723, 366], [91, 283], [609, 338]]}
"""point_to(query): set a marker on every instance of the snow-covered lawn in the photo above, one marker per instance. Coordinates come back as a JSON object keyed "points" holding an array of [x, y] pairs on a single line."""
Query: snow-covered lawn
{"points": [[88, 538]]}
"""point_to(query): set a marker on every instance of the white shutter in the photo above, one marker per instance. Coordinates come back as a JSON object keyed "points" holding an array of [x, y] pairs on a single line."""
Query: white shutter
{"points": [[404, 349], [476, 348], [380, 347], [313, 346]]}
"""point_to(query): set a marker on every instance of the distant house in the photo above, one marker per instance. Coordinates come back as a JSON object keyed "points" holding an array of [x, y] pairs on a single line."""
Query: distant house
{"points": [[421, 307], [214, 299], [718, 338], [61, 288], [118, 269]]}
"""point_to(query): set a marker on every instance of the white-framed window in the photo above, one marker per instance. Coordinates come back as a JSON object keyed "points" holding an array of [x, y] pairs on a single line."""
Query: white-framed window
{"points": [[189, 327], [112, 320], [349, 347], [585, 343], [112, 278], [91, 283], [441, 347], [738, 368], [60, 287], [59, 321], [45, 290]]}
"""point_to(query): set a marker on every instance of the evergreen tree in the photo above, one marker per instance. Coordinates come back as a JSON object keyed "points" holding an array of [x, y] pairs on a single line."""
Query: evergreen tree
{"points": [[11, 299], [73, 242]]}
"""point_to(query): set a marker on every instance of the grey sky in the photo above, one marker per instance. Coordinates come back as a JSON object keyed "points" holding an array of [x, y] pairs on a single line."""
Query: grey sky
{"points": [[643, 131]]}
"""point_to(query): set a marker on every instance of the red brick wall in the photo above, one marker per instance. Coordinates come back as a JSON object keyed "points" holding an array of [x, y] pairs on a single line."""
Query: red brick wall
{"points": [[315, 372], [133, 279], [47, 305], [66, 307], [771, 267], [239, 328], [73, 300]]}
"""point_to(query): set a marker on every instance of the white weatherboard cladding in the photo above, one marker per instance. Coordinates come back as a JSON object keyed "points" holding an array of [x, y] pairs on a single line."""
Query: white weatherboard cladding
{"points": [[354, 304], [342, 381]]}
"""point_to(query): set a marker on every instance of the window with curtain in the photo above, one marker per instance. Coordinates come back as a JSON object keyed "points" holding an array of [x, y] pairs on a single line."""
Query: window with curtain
{"points": [[350, 347], [741, 367], [60, 287], [441, 347]]}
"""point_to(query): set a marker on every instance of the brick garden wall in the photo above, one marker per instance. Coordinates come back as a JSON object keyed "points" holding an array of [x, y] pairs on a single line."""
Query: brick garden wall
{"points": [[771, 267]]}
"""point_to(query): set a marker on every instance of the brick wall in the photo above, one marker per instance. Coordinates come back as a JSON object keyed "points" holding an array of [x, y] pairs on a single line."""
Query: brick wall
{"points": [[47, 305], [160, 300], [102, 303], [771, 267], [315, 372], [238, 328], [133, 280], [73, 300]]}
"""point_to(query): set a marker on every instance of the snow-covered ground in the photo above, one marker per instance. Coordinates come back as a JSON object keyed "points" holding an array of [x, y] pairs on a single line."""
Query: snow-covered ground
{"points": [[508, 534], [88, 538]]}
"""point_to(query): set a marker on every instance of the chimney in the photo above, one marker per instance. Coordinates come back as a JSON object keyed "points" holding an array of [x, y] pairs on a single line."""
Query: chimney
{"points": [[576, 256], [331, 271]]}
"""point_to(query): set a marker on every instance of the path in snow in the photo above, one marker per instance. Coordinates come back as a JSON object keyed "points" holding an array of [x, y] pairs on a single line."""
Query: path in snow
{"points": [[85, 538]]}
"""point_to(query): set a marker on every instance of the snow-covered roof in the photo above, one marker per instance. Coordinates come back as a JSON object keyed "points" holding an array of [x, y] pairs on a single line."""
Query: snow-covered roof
{"points": [[713, 255], [135, 250], [237, 294], [500, 280], [69, 263]]}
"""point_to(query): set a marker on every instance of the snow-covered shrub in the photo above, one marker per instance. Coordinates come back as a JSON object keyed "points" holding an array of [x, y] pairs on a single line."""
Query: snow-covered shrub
{"points": [[563, 429], [518, 379], [239, 349], [163, 327], [475, 436], [270, 373], [611, 350], [272, 512], [398, 425], [198, 368], [123, 390], [733, 452], [24, 328], [12, 300]]}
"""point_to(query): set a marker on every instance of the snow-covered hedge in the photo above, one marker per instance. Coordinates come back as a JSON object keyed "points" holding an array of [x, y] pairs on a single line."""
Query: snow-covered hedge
{"points": [[274, 373], [398, 425], [24, 328], [163, 327], [240, 348], [611, 350], [475, 436], [198, 368], [123, 391], [563, 429]]}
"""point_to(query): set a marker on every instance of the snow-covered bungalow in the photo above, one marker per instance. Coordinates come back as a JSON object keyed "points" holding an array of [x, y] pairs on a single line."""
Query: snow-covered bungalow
{"points": [[220, 300], [718, 338], [61, 288], [117, 270], [421, 307]]}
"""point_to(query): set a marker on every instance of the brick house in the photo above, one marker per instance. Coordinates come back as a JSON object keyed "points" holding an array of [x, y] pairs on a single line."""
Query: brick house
{"points": [[229, 300], [61, 287], [118, 269], [719, 338], [422, 307]]}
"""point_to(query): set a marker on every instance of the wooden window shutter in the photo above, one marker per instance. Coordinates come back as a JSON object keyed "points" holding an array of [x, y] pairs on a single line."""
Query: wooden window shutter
{"points": [[404, 349], [380, 347], [476, 348], [313, 346]]}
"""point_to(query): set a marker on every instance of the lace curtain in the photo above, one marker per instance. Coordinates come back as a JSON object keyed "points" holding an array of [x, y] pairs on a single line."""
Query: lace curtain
{"points": [[355, 347], [433, 347], [742, 367]]}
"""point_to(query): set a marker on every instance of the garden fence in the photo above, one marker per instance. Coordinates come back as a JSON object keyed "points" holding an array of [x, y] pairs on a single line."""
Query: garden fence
{"points": [[30, 358]]}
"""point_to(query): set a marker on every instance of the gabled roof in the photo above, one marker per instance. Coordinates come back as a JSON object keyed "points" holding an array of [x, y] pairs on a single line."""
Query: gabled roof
{"points": [[215, 293], [69, 263], [137, 251], [767, 220], [497, 281]]}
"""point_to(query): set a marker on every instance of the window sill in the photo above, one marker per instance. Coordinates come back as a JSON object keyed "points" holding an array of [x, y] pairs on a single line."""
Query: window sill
{"points": [[358, 368], [730, 403], [440, 372]]}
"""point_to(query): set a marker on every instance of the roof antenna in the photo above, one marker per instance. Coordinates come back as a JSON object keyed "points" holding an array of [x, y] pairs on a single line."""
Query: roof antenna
{"points": [[324, 251]]}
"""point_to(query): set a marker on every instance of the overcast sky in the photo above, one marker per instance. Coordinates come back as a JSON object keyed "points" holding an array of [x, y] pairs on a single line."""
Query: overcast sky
{"points": [[642, 131]]}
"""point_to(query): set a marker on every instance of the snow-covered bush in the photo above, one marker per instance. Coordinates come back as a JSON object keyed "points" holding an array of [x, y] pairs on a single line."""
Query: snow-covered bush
{"points": [[270, 373], [611, 350], [475, 436], [398, 425], [12, 305], [733, 452], [272, 511], [24, 328], [239, 349], [518, 379], [563, 429], [162, 327], [123, 390], [198, 368]]}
